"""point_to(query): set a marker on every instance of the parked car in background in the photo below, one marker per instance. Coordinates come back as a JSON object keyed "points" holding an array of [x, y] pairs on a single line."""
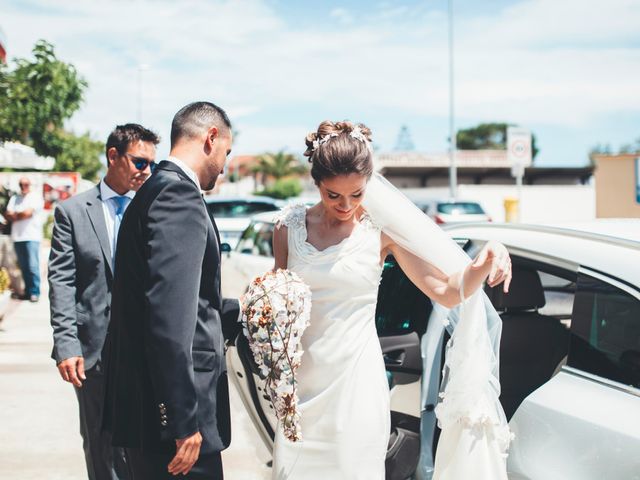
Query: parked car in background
{"points": [[308, 200], [447, 212], [233, 214], [569, 355], [251, 256]]}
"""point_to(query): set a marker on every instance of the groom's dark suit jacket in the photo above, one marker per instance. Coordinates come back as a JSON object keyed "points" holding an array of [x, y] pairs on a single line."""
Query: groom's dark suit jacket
{"points": [[166, 373]]}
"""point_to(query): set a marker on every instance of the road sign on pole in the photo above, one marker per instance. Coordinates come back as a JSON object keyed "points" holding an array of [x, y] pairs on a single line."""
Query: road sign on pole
{"points": [[519, 147], [637, 179], [519, 155]]}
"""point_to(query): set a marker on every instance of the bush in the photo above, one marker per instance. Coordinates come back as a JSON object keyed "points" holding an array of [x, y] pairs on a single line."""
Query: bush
{"points": [[282, 189], [47, 227]]}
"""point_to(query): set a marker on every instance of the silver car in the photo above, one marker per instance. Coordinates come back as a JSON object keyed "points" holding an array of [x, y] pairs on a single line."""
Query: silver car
{"points": [[233, 214], [448, 212], [569, 356]]}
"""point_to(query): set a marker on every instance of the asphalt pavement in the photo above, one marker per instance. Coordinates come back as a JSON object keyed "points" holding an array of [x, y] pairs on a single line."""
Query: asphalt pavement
{"points": [[39, 432]]}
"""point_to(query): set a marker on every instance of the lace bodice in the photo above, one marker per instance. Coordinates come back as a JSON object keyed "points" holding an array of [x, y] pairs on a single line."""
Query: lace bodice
{"points": [[294, 218]]}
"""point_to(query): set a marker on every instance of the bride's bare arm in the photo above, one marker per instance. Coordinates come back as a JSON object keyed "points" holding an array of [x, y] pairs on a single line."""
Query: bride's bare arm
{"points": [[280, 246], [492, 264]]}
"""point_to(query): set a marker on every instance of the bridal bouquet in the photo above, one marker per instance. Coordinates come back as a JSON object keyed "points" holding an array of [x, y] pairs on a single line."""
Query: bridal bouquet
{"points": [[275, 313]]}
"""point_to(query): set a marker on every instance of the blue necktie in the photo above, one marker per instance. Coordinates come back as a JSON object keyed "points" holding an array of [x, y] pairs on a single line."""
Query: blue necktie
{"points": [[120, 203]]}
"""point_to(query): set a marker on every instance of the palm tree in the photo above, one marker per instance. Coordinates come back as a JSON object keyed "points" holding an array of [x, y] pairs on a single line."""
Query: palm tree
{"points": [[278, 165]]}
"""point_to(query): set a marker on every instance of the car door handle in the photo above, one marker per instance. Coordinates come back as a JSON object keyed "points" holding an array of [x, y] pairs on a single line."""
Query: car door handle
{"points": [[395, 358]]}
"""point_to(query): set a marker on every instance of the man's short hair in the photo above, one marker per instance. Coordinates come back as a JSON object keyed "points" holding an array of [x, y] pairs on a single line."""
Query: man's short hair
{"points": [[196, 118], [124, 135]]}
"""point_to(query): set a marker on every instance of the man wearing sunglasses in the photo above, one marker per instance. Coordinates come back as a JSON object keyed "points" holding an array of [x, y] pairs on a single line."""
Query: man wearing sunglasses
{"points": [[81, 271]]}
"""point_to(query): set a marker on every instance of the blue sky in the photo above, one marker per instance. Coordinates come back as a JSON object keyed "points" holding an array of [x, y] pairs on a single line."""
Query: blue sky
{"points": [[566, 69]]}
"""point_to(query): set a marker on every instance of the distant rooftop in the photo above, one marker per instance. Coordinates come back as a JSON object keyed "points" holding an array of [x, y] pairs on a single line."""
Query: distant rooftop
{"points": [[474, 166], [464, 159]]}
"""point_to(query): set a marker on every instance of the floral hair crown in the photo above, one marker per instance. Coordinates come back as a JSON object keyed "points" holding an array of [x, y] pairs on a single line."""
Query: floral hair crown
{"points": [[355, 133]]}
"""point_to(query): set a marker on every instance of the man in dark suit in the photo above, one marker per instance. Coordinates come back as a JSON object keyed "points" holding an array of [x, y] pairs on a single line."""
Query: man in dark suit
{"points": [[167, 391], [80, 277]]}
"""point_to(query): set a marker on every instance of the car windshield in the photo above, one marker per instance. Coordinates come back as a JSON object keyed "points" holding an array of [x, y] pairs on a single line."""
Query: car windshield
{"points": [[460, 208], [239, 208]]}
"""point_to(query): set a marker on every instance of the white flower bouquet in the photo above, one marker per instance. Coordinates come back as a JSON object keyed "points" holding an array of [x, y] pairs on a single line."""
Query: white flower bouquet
{"points": [[275, 313]]}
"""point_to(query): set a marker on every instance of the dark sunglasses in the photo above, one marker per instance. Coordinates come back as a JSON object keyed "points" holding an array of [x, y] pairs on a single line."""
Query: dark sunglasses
{"points": [[141, 163]]}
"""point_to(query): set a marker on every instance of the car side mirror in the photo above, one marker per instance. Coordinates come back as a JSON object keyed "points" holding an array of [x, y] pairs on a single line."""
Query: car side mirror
{"points": [[225, 248]]}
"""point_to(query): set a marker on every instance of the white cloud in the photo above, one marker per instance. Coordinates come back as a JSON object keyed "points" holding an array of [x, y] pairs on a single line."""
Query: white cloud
{"points": [[535, 62], [272, 138], [342, 15]]}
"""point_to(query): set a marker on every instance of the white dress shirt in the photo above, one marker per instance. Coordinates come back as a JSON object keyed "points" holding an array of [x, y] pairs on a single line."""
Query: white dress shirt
{"points": [[186, 169], [109, 209]]}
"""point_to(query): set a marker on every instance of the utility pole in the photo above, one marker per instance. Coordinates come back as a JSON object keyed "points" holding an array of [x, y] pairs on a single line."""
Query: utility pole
{"points": [[453, 173], [141, 68]]}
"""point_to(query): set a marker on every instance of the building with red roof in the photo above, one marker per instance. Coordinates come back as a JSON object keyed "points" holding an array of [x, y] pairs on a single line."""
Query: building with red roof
{"points": [[3, 47]]}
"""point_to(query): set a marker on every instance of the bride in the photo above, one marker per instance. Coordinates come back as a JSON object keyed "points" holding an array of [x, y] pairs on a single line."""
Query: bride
{"points": [[338, 248]]}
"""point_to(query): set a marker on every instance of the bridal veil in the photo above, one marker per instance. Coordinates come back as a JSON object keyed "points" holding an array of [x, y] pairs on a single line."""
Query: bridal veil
{"points": [[475, 435]]}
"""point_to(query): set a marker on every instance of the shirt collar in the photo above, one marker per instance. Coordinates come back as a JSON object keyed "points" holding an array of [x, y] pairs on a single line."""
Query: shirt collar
{"points": [[186, 169], [106, 192]]}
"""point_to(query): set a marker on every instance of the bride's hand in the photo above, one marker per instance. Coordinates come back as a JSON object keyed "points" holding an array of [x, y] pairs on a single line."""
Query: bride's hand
{"points": [[494, 257]]}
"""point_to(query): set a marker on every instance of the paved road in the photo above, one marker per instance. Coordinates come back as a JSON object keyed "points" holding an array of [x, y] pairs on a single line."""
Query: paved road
{"points": [[39, 437]]}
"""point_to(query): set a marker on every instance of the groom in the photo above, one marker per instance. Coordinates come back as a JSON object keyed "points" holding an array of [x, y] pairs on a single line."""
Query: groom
{"points": [[167, 392]]}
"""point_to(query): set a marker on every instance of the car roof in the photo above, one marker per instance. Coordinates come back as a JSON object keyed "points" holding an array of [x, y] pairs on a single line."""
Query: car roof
{"points": [[441, 200], [246, 198], [458, 200], [612, 247], [624, 228], [266, 217]]}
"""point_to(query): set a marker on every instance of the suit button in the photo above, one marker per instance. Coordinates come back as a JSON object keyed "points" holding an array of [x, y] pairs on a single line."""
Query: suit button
{"points": [[162, 405], [163, 423]]}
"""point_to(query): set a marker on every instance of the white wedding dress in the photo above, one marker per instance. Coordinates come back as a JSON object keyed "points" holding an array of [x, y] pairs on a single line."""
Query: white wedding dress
{"points": [[342, 385]]}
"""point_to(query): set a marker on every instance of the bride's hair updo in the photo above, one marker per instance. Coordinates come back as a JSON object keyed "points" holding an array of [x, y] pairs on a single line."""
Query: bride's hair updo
{"points": [[339, 148]]}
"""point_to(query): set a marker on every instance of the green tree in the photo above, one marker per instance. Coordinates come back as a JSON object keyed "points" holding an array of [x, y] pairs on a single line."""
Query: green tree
{"points": [[631, 147], [36, 98], [79, 153], [488, 136], [279, 165], [283, 188]]}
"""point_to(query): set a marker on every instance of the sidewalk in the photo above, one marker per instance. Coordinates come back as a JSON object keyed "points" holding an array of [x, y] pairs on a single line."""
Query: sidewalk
{"points": [[39, 433]]}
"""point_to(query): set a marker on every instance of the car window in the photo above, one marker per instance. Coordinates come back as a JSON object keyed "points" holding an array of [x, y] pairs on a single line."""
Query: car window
{"points": [[460, 208], [264, 240], [605, 338], [402, 307], [248, 239], [240, 208], [559, 293], [257, 239]]}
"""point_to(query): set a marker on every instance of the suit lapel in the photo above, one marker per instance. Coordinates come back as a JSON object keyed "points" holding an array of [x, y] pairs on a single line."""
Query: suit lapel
{"points": [[96, 216], [166, 165], [213, 224]]}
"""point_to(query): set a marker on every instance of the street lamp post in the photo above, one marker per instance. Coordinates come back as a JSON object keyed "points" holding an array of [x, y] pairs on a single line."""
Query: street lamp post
{"points": [[141, 68], [453, 173]]}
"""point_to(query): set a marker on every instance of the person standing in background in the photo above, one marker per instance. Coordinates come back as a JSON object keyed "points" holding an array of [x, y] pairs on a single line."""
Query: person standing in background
{"points": [[83, 247], [25, 211]]}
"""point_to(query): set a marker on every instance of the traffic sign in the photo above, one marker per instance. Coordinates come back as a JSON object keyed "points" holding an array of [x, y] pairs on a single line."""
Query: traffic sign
{"points": [[519, 147], [637, 179]]}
